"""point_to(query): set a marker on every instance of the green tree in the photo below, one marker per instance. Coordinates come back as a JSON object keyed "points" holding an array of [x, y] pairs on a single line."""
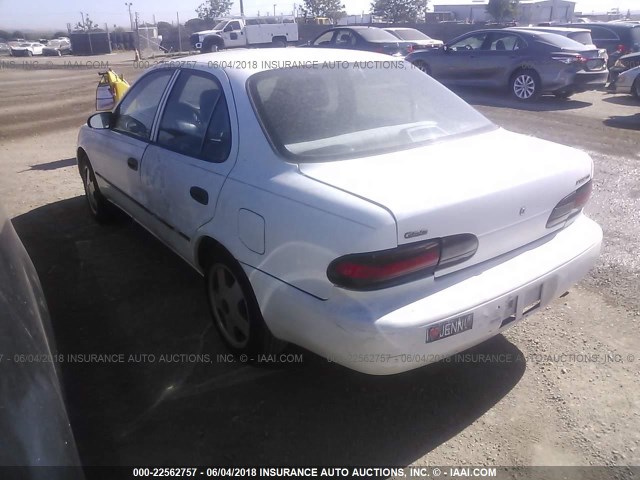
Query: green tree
{"points": [[214, 9], [398, 11], [17, 34], [333, 9], [4, 35], [60, 34], [502, 9], [198, 24]]}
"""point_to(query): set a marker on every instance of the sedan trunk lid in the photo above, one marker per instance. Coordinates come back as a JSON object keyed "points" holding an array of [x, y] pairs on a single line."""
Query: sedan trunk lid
{"points": [[499, 186]]}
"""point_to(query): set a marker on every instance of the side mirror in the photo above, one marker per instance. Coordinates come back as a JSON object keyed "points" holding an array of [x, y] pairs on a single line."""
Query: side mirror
{"points": [[100, 120], [446, 48], [228, 28]]}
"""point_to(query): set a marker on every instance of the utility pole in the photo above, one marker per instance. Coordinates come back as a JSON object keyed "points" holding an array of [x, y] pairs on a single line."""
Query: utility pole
{"points": [[179, 33], [129, 4], [241, 9], [274, 9], [82, 16]]}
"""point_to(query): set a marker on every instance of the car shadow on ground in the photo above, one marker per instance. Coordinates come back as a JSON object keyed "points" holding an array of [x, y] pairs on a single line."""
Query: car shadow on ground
{"points": [[116, 290], [502, 99], [626, 100], [628, 122], [67, 162]]}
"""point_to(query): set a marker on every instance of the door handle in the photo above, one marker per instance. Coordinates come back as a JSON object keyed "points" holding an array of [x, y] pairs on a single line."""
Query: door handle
{"points": [[132, 163], [200, 195]]}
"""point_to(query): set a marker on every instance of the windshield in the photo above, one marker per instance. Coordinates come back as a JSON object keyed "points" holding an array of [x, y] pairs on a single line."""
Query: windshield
{"points": [[357, 110], [410, 34], [220, 25], [582, 37], [376, 35]]}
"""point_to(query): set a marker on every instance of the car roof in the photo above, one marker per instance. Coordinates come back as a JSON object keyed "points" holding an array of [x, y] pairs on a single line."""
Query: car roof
{"points": [[555, 29], [613, 26], [400, 28]]}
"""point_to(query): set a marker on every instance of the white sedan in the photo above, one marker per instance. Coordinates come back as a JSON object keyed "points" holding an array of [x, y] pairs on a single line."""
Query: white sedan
{"points": [[27, 49], [342, 201]]}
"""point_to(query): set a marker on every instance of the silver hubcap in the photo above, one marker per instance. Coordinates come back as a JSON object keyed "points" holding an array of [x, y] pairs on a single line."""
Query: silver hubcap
{"points": [[90, 190], [524, 86], [229, 305]]}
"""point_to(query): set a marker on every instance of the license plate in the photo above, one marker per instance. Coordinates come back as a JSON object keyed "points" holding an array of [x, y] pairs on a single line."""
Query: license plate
{"points": [[450, 327]]}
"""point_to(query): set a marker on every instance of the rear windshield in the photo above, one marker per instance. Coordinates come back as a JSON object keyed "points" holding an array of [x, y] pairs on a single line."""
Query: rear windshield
{"points": [[582, 37], [324, 113], [376, 35], [410, 34], [560, 41]]}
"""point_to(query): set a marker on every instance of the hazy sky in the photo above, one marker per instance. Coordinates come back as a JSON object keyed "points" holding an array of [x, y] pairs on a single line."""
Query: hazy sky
{"points": [[55, 14]]}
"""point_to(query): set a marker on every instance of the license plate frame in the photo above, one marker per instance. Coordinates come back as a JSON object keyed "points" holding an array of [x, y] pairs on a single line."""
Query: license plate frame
{"points": [[449, 328]]}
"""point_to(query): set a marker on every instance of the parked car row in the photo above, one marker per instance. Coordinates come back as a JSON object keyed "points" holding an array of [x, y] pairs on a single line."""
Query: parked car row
{"points": [[57, 47], [528, 61]]}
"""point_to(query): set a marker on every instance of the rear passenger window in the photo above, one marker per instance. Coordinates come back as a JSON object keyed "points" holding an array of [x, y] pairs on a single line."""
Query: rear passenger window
{"points": [[195, 121]]}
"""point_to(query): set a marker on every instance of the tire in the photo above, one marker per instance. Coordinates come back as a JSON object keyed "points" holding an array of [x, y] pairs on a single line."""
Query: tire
{"points": [[525, 85], [99, 208], [29, 53], [234, 309], [635, 89], [565, 94], [209, 47], [59, 53], [423, 67], [279, 43]]}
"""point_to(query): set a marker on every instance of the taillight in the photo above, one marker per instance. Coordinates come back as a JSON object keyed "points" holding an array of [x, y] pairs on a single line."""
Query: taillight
{"points": [[571, 205], [569, 59], [411, 48], [375, 270], [622, 49]]}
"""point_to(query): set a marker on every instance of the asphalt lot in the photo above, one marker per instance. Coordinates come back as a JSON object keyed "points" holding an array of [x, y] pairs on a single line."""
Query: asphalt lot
{"points": [[526, 398]]}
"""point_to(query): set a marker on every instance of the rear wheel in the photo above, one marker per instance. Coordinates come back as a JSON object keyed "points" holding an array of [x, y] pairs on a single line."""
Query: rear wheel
{"points": [[635, 89], [235, 310], [279, 43], [525, 85]]}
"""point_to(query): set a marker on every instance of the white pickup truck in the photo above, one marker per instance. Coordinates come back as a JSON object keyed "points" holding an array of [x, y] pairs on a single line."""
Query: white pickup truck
{"points": [[247, 32]]}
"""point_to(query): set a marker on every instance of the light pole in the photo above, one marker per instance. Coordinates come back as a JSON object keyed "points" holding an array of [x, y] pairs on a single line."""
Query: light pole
{"points": [[129, 4], [274, 9]]}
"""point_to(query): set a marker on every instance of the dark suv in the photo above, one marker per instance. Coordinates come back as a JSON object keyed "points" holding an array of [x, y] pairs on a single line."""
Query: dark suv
{"points": [[619, 38]]}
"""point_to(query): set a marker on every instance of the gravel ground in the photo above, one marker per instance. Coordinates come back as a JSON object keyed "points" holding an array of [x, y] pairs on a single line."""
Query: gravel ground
{"points": [[115, 289]]}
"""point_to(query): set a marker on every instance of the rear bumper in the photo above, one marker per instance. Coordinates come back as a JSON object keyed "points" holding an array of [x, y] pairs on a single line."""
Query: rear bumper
{"points": [[385, 332], [590, 80]]}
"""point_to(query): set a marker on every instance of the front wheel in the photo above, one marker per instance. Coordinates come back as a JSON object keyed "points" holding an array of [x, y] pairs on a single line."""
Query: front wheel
{"points": [[525, 85], [99, 207], [235, 311], [423, 67]]}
